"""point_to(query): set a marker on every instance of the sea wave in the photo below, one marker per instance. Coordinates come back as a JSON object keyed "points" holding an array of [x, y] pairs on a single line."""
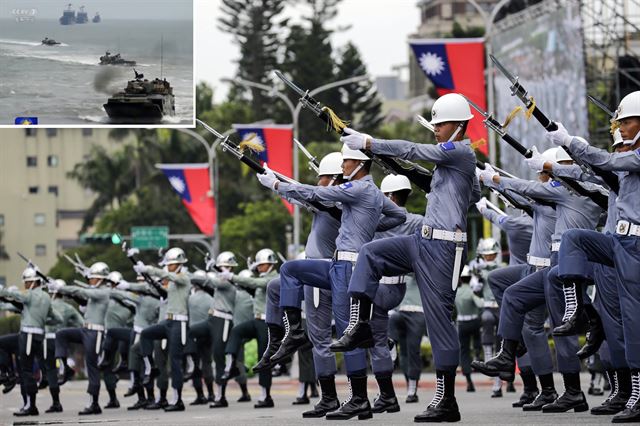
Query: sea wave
{"points": [[79, 60]]}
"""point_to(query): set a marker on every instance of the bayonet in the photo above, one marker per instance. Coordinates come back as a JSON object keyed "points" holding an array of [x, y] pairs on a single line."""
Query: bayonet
{"points": [[597, 102], [313, 162], [425, 123], [35, 267]]}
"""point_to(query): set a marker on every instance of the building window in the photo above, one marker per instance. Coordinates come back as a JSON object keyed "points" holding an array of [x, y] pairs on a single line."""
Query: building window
{"points": [[53, 161], [52, 132], [3, 253], [41, 250], [32, 161], [2, 219], [39, 219], [446, 11], [3, 281], [30, 132], [33, 190], [53, 189], [87, 131]]}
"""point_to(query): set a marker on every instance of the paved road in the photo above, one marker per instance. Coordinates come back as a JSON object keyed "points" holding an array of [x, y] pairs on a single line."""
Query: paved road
{"points": [[477, 408]]}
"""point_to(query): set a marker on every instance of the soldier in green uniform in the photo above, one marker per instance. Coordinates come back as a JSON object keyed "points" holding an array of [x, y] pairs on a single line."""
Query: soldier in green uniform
{"points": [[256, 328]]}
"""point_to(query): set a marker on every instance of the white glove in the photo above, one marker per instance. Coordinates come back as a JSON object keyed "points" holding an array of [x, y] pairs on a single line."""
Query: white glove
{"points": [[132, 252], [354, 139], [210, 264], [140, 268], [53, 286], [536, 162], [478, 172], [123, 285], [559, 137], [482, 204], [225, 275], [475, 284], [268, 178]]}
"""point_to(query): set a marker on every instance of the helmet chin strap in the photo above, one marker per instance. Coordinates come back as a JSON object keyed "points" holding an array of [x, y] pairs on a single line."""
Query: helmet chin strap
{"points": [[354, 172], [455, 133], [632, 141], [333, 179]]}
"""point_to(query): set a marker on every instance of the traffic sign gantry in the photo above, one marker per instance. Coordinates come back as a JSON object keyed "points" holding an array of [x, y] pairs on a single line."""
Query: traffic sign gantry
{"points": [[149, 237]]}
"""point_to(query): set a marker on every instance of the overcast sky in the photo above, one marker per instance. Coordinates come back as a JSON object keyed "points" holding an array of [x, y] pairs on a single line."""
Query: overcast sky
{"points": [[379, 28], [109, 9]]}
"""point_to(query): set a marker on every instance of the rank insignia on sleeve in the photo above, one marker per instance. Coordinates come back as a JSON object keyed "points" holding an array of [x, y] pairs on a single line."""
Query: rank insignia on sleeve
{"points": [[346, 185], [555, 183], [447, 146]]}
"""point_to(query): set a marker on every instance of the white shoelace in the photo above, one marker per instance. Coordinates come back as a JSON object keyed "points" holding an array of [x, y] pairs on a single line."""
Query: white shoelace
{"points": [[354, 314], [287, 327], [350, 396], [635, 390], [439, 392], [615, 387], [570, 300]]}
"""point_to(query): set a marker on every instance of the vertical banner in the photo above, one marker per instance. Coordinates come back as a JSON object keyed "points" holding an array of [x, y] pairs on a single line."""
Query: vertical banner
{"points": [[277, 141], [191, 182], [456, 65]]}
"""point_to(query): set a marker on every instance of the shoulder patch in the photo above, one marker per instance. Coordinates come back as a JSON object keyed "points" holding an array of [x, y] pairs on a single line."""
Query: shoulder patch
{"points": [[346, 185], [447, 146], [638, 152], [502, 219], [555, 183]]}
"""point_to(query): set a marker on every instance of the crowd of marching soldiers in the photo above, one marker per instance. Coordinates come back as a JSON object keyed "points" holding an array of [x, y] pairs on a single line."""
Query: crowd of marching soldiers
{"points": [[378, 274]]}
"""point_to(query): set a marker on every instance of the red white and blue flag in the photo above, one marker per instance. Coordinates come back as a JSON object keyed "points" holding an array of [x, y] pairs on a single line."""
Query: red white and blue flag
{"points": [[191, 182], [456, 65], [277, 140]]}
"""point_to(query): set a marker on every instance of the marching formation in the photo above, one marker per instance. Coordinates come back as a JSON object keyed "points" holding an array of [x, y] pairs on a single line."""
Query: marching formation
{"points": [[384, 278]]}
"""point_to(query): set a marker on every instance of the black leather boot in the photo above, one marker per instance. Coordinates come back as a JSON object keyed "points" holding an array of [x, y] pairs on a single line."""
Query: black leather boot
{"points": [[93, 408], [265, 403], [30, 409], [620, 392], [328, 401], [142, 401], [530, 388], [386, 400], [160, 403], [231, 369], [245, 397], [358, 333], [357, 404], [595, 334], [178, 405], [572, 398], [547, 394], [64, 372], [113, 400], [56, 407], [221, 403], [573, 311], [631, 412], [275, 334], [443, 407], [294, 336], [502, 365]]}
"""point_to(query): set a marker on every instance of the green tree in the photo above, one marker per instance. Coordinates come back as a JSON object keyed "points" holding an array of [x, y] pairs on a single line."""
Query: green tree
{"points": [[458, 31], [204, 98]]}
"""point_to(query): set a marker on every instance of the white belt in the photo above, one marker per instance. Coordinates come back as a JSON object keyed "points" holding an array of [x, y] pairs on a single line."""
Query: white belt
{"points": [[411, 308], [440, 234], [138, 329], [32, 330], [94, 327], [467, 317], [261, 317], [176, 317], [392, 280], [624, 227], [555, 246], [490, 304], [346, 255], [220, 314], [538, 262], [50, 335]]}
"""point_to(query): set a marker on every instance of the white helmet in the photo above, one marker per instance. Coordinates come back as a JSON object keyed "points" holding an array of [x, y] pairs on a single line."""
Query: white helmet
{"points": [[487, 246], [617, 138], [60, 283], [266, 256], [115, 277], [331, 164], [450, 107], [174, 255], [245, 273], [562, 155], [393, 183], [352, 154], [200, 273], [99, 270], [226, 258], [30, 274], [629, 106], [550, 155]]}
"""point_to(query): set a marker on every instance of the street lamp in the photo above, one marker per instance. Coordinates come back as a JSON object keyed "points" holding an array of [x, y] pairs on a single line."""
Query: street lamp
{"points": [[295, 111], [213, 177]]}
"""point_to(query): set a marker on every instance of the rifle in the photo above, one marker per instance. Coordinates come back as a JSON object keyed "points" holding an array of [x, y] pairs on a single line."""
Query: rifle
{"points": [[78, 265], [572, 185], [235, 150], [495, 208], [417, 174], [610, 179], [313, 162], [157, 286], [35, 268], [597, 102]]}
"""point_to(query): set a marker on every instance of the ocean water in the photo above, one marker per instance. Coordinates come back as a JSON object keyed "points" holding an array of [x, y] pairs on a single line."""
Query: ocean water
{"points": [[64, 84]]}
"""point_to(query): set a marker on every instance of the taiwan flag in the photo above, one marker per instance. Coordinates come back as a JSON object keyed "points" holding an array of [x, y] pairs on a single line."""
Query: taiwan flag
{"points": [[456, 65], [191, 182], [277, 141]]}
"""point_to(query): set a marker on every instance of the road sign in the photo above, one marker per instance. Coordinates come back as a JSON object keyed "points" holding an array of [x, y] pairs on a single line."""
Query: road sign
{"points": [[150, 237]]}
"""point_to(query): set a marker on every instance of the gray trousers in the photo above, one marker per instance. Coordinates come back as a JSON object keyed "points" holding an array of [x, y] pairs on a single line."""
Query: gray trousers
{"points": [[88, 339]]}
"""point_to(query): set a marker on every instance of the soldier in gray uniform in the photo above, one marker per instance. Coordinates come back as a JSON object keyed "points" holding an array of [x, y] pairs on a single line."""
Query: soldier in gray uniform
{"points": [[174, 326], [90, 335], [242, 312], [120, 312], [265, 262], [147, 304], [71, 318], [36, 308], [198, 349], [442, 242], [215, 328]]}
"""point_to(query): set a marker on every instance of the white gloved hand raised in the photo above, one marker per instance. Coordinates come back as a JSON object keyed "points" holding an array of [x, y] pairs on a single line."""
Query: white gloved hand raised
{"points": [[132, 252], [225, 275], [482, 204], [559, 137], [268, 178], [140, 268], [52, 285], [123, 285], [354, 139], [536, 162]]}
